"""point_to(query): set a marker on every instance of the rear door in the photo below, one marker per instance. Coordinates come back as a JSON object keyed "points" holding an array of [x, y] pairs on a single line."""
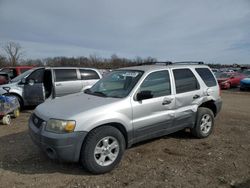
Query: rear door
{"points": [[152, 117], [33, 90], [89, 77], [66, 82], [188, 95]]}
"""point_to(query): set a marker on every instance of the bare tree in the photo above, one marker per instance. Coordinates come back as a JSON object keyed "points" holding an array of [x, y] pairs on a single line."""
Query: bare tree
{"points": [[14, 52]]}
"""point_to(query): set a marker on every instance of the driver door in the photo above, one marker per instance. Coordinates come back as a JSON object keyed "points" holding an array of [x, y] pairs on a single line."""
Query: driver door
{"points": [[33, 90]]}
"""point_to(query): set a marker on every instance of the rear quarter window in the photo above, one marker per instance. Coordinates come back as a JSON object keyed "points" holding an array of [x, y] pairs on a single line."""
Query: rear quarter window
{"points": [[89, 74], [185, 81], [63, 75], [207, 76]]}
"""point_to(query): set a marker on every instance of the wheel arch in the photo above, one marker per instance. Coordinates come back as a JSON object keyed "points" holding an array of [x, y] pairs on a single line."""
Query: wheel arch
{"points": [[210, 105], [118, 126]]}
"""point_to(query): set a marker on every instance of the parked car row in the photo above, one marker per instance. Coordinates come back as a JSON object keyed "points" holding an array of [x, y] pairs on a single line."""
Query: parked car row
{"points": [[232, 79]]}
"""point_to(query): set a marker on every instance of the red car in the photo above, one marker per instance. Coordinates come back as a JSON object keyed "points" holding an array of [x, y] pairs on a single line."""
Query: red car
{"points": [[228, 80], [15, 71]]}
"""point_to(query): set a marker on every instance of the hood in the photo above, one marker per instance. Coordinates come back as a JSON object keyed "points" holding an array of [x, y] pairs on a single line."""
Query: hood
{"points": [[10, 85], [222, 79], [71, 105], [245, 81]]}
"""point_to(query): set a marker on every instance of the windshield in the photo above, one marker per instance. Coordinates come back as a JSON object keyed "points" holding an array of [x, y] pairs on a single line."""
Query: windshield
{"points": [[223, 75], [117, 84], [21, 76]]}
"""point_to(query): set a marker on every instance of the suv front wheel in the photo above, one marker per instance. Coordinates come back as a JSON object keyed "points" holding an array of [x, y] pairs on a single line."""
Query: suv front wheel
{"points": [[204, 123], [102, 150]]}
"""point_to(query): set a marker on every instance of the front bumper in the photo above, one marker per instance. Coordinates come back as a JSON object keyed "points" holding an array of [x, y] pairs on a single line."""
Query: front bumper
{"points": [[64, 147]]}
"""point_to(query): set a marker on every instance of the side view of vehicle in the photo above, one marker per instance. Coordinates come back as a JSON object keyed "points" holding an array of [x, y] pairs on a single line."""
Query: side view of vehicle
{"points": [[229, 80], [36, 85], [126, 106]]}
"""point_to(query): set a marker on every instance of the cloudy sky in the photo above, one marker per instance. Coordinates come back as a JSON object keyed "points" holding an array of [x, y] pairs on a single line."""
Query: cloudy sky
{"points": [[210, 30]]}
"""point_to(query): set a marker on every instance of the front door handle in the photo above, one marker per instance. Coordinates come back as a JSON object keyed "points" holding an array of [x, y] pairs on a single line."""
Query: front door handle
{"points": [[196, 96], [167, 101], [59, 84]]}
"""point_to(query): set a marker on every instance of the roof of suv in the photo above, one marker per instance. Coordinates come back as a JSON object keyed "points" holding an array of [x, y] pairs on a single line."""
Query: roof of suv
{"points": [[154, 67]]}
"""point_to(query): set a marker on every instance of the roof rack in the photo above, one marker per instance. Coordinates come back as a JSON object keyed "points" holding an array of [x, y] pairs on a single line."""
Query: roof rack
{"points": [[171, 63], [158, 62], [189, 62]]}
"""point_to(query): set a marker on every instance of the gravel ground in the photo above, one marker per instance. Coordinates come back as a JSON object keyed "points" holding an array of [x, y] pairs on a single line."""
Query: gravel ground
{"points": [[176, 160]]}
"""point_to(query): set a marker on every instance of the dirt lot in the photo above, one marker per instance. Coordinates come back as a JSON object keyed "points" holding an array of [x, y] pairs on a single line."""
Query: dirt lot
{"points": [[177, 160]]}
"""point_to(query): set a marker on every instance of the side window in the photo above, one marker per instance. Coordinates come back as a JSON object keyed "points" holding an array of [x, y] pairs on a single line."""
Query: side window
{"points": [[22, 70], [158, 83], [206, 76], [37, 76], [88, 74], [185, 80], [65, 75]]}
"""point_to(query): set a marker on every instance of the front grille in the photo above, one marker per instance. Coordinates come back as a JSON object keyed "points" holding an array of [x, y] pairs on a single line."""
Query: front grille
{"points": [[38, 122]]}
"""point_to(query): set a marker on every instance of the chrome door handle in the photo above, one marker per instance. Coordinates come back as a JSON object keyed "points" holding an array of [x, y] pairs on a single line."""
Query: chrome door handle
{"points": [[196, 96], [167, 101]]}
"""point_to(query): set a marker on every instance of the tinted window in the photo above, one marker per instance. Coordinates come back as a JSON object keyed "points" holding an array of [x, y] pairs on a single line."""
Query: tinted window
{"points": [[37, 76], [88, 74], [206, 76], [22, 70], [185, 80], [65, 75], [157, 83]]}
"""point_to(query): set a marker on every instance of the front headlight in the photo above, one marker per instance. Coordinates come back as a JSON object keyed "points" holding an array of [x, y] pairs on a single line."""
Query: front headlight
{"points": [[60, 126], [225, 82]]}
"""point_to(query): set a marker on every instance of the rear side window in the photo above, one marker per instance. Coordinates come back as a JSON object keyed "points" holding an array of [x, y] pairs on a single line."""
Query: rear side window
{"points": [[185, 80], [158, 83], [65, 75], [88, 74], [206, 76]]}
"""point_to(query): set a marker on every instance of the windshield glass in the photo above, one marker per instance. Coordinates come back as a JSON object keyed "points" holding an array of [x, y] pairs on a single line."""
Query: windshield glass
{"points": [[21, 76], [117, 84], [224, 75]]}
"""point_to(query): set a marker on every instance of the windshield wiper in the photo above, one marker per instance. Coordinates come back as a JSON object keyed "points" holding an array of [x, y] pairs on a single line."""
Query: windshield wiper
{"points": [[99, 93]]}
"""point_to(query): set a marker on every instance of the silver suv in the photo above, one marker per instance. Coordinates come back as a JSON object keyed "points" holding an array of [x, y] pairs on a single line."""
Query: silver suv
{"points": [[35, 85], [125, 107]]}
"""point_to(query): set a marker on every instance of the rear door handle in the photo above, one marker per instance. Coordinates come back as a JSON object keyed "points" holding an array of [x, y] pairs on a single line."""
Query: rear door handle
{"points": [[196, 96], [59, 84], [167, 101]]}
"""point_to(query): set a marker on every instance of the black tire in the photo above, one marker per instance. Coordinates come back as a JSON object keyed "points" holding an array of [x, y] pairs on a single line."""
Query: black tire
{"points": [[89, 159], [199, 130]]}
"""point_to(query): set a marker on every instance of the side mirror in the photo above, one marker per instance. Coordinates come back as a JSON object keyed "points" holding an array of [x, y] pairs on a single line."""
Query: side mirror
{"points": [[31, 82], [23, 81], [144, 95]]}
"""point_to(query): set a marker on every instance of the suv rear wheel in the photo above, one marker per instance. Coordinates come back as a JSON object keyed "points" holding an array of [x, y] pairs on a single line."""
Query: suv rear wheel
{"points": [[102, 150], [204, 123]]}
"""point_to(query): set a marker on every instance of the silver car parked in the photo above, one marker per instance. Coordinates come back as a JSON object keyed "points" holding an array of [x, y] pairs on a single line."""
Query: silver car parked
{"points": [[127, 106], [38, 84]]}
